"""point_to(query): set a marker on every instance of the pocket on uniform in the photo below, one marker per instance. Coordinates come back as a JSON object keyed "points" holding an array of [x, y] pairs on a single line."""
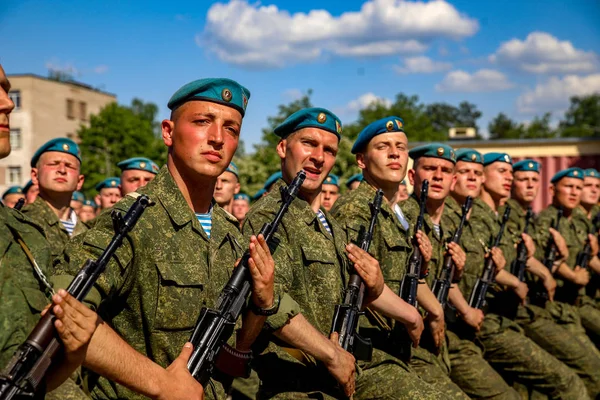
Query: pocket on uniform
{"points": [[36, 299], [180, 295], [393, 272], [314, 254]]}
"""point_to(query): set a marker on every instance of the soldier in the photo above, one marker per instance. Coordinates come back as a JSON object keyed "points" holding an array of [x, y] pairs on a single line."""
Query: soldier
{"points": [[330, 191], [241, 206], [402, 192], [12, 195], [353, 182], [135, 173], [77, 201], [177, 259], [590, 195], [56, 169], [109, 192], [300, 361], [87, 211], [31, 192], [227, 187]]}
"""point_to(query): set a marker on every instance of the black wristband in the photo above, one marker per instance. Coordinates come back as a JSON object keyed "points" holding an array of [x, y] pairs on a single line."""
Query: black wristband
{"points": [[265, 312]]}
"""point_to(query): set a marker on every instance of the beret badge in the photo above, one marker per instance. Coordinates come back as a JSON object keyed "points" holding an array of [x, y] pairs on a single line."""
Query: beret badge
{"points": [[65, 147], [473, 157], [226, 95], [389, 126], [321, 118], [440, 151], [142, 165]]}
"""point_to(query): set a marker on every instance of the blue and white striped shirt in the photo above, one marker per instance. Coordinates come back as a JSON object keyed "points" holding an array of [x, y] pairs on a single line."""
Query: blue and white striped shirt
{"points": [[70, 223], [323, 221], [205, 221]]}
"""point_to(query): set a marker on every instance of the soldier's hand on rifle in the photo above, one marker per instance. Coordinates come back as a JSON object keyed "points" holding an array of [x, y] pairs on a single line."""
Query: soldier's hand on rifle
{"points": [[521, 291], [458, 257], [528, 244], [368, 269], [437, 327], [414, 325], [561, 245], [550, 285], [498, 258], [262, 269], [473, 317], [342, 367], [179, 383], [581, 276], [424, 246], [593, 244]]}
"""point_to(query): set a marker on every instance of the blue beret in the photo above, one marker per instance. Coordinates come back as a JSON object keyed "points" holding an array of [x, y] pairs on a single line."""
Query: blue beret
{"points": [[109, 183], [354, 178], [435, 150], [78, 196], [527, 165], [233, 169], [591, 172], [63, 145], [12, 190], [27, 186], [384, 125], [272, 179], [332, 180], [259, 194], [568, 173], [241, 196], [490, 158], [469, 155], [310, 118], [216, 90], [90, 203], [141, 163]]}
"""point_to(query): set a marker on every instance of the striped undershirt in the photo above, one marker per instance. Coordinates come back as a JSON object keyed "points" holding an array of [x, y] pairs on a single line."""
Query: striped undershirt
{"points": [[323, 220], [70, 223], [205, 221], [401, 217]]}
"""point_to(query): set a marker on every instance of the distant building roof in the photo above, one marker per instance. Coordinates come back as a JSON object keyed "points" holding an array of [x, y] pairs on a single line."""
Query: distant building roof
{"points": [[67, 82]]}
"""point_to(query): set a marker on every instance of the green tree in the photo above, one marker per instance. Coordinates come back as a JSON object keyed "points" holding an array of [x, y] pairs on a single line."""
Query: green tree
{"points": [[582, 119], [468, 114], [502, 127], [540, 128]]}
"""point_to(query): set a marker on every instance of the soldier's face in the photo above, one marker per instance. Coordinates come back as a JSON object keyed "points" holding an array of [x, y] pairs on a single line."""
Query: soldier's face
{"points": [[202, 138], [10, 200], [132, 179], [385, 159], [469, 179], [240, 209], [76, 205], [86, 213], [109, 197], [32, 193], [402, 193], [57, 172], [591, 191], [498, 179], [567, 192], [329, 194], [439, 173], [227, 185], [525, 186], [6, 107], [312, 150]]}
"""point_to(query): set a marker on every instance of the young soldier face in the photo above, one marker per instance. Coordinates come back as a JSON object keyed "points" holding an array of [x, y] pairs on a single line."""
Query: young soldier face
{"points": [[132, 179], [567, 192], [469, 179], [526, 185], [591, 191], [109, 197], [76, 205], [312, 150], [402, 193], [57, 172], [329, 194], [438, 171], [240, 209], [6, 106], [498, 179], [227, 185], [86, 213], [202, 138], [385, 159]]}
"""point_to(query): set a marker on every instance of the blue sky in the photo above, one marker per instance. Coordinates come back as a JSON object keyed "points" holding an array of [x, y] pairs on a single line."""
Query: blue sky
{"points": [[520, 58]]}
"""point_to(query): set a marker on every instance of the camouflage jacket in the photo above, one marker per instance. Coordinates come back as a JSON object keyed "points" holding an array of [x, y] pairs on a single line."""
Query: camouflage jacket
{"points": [[162, 275], [515, 227], [22, 295], [57, 235]]}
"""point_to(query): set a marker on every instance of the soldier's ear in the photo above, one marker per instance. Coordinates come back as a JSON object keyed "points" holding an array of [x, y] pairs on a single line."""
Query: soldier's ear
{"points": [[552, 190], [167, 127], [282, 148], [34, 176], [411, 177], [360, 160], [80, 181]]}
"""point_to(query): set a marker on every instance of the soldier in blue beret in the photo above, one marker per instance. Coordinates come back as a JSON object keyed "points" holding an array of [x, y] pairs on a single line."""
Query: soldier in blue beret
{"points": [[77, 201], [136, 172], [355, 180], [498, 173], [179, 257], [109, 192], [590, 195], [526, 185], [12, 195], [88, 210], [330, 191], [402, 192], [30, 191], [227, 186], [241, 206]]}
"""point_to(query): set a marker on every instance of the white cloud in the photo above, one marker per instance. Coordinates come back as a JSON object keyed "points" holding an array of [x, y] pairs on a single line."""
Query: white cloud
{"points": [[292, 94], [253, 35], [364, 101], [101, 69], [484, 80], [554, 95], [421, 65], [542, 53]]}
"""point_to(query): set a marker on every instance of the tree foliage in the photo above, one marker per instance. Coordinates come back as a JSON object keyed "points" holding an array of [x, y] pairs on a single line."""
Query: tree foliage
{"points": [[582, 119]]}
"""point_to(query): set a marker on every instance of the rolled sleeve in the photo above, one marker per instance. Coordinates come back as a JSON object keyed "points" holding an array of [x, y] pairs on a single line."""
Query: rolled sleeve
{"points": [[288, 309]]}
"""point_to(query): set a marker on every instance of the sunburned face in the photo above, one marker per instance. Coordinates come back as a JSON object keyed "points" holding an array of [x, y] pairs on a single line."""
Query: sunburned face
{"points": [[567, 192], [590, 194], [498, 179], [57, 173], [329, 195], [132, 179], [469, 179], [385, 159], [439, 172], [109, 197], [525, 187]]}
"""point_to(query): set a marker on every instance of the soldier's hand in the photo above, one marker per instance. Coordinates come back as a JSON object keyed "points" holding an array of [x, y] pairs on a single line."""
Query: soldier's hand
{"points": [[458, 257], [262, 269], [178, 382], [593, 244], [437, 328], [368, 269], [550, 285], [528, 244], [561, 244], [498, 258], [521, 291], [414, 326], [582, 276], [342, 367], [474, 318], [424, 246]]}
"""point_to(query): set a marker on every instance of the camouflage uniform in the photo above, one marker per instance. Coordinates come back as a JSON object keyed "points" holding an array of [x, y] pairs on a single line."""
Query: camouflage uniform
{"points": [[311, 271], [160, 278], [505, 346], [593, 288]]}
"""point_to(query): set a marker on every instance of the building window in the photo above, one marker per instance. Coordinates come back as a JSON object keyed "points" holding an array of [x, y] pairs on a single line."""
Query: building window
{"points": [[15, 138], [15, 96], [14, 175], [82, 111], [70, 135], [70, 109]]}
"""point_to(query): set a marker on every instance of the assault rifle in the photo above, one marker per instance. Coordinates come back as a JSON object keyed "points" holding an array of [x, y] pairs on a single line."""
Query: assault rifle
{"points": [[215, 326], [410, 281], [20, 204], [26, 370], [441, 285], [477, 299], [517, 268], [539, 295], [346, 315]]}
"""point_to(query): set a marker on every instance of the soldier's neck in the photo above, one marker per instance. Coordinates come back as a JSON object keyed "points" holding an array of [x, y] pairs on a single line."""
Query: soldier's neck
{"points": [[524, 204], [588, 209], [197, 190], [59, 204], [313, 199], [227, 206], [488, 199], [461, 200], [435, 209], [390, 192], [566, 211]]}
